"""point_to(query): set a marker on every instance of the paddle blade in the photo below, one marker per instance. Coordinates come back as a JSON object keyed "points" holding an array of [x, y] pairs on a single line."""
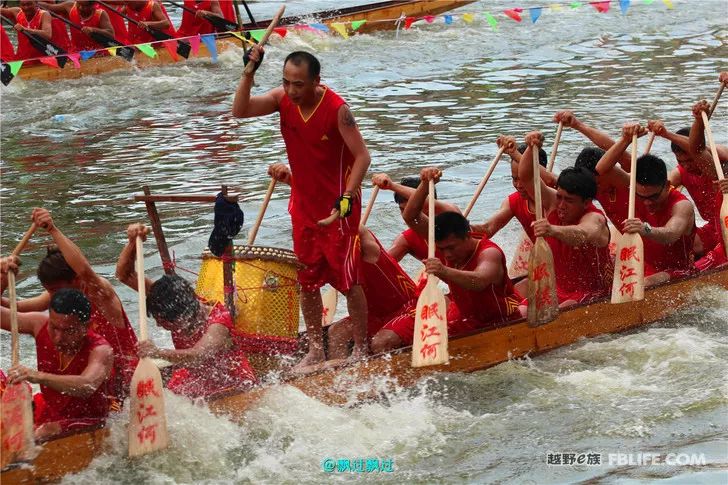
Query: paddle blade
{"points": [[147, 416], [6, 74], [330, 299], [519, 263], [628, 283], [543, 305], [126, 53], [429, 345], [724, 221], [184, 48], [16, 422]]}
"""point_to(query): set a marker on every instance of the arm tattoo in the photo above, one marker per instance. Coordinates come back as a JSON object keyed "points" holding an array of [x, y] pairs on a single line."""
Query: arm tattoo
{"points": [[348, 117]]}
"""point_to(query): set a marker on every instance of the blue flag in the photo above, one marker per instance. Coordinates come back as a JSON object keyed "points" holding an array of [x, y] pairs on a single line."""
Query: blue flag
{"points": [[321, 27], [624, 5], [535, 13], [448, 19], [86, 54], [209, 41]]}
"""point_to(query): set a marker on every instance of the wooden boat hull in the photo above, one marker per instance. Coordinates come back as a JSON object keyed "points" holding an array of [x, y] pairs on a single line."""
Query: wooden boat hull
{"points": [[468, 353], [374, 14]]}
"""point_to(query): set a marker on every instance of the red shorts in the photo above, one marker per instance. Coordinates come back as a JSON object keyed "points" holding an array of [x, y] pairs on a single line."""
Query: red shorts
{"points": [[714, 258], [42, 415], [709, 235], [404, 324], [330, 255]]}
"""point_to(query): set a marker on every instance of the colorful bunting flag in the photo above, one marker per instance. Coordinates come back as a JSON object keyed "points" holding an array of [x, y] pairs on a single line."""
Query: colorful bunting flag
{"points": [[535, 13], [602, 7], [514, 13], [448, 19], [49, 61], [111, 50], [320, 27], [624, 6], [85, 55], [195, 43], [74, 58], [555, 7], [209, 41], [341, 30], [648, 2], [171, 46], [357, 23], [15, 67], [280, 31], [468, 18], [408, 22], [429, 18], [668, 4], [257, 34], [491, 21], [574, 5], [147, 50]]}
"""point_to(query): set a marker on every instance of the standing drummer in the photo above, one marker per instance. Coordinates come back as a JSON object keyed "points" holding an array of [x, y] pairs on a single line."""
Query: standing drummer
{"points": [[328, 160]]}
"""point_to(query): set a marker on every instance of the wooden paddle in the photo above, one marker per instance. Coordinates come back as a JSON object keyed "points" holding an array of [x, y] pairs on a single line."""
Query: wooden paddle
{"points": [[543, 305], [481, 186], [18, 441], [429, 344], [715, 100], [650, 140], [628, 283], [122, 50], [555, 148], [43, 45], [147, 417], [259, 220], [250, 66], [221, 24], [721, 176]]}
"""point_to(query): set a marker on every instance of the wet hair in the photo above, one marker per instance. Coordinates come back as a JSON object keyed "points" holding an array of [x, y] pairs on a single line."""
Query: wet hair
{"points": [[588, 159], [172, 297], [298, 57], [69, 301], [684, 132], [542, 157], [412, 182], [53, 268], [651, 170], [451, 223], [578, 181]]}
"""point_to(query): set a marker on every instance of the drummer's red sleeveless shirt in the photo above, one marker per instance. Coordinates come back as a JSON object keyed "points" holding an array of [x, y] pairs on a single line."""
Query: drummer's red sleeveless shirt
{"points": [[519, 207], [138, 35], [320, 161], [581, 271], [79, 40], [59, 35], [62, 407]]}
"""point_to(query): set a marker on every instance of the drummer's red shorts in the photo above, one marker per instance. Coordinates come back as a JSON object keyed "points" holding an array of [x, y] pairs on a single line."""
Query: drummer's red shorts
{"points": [[331, 255]]}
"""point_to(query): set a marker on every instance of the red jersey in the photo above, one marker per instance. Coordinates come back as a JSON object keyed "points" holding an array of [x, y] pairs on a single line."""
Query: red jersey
{"points": [[59, 35], [124, 343], [7, 51], [59, 407], [615, 202], [417, 245], [79, 40], [582, 272], [192, 25], [519, 207], [494, 303], [320, 162], [677, 258], [138, 35], [117, 22], [228, 369], [228, 10], [703, 193]]}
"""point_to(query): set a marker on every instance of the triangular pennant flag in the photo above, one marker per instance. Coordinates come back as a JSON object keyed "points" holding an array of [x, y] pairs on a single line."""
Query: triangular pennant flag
{"points": [[15, 67], [320, 27], [282, 31], [195, 43], [624, 6], [408, 22], [468, 18], [111, 50], [668, 4], [171, 46], [491, 21], [86, 54], [648, 2], [239, 35], [602, 7], [74, 58], [49, 61], [257, 34], [341, 30], [209, 41], [147, 50], [535, 13], [429, 18], [357, 23], [572, 5], [448, 19], [514, 13]]}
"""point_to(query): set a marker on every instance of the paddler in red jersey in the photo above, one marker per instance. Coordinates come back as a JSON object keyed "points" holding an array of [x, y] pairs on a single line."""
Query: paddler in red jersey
{"points": [[575, 230], [664, 217], [118, 22], [151, 17], [408, 242], [30, 18], [328, 160], [481, 294], [193, 24], [7, 51], [92, 19], [207, 346], [65, 266], [75, 364]]}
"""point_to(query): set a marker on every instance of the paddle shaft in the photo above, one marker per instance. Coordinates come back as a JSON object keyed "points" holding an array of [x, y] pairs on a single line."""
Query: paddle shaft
{"points": [[259, 220], [250, 66], [247, 10], [555, 148], [104, 39], [650, 140], [632, 178], [141, 290], [715, 100], [537, 183], [481, 186], [24, 241], [157, 34], [431, 221], [217, 21], [375, 192], [13, 319], [711, 144]]}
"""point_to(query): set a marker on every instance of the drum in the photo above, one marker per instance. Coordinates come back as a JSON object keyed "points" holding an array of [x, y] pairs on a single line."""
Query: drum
{"points": [[266, 295]]}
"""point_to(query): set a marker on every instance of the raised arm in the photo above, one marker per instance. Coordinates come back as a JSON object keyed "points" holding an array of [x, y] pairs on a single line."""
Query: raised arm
{"points": [[355, 143], [63, 8], [214, 340], [697, 146], [125, 266], [247, 106], [412, 214], [598, 137], [614, 153], [534, 140], [496, 222], [659, 129], [28, 323], [384, 182]]}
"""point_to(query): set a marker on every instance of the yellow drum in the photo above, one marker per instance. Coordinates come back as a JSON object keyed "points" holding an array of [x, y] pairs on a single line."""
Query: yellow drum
{"points": [[266, 294]]}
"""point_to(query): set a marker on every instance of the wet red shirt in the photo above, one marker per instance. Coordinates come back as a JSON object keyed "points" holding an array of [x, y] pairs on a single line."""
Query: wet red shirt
{"points": [[59, 35], [79, 40], [519, 207], [124, 343], [117, 22], [192, 25], [138, 35], [7, 51], [615, 202], [417, 245]]}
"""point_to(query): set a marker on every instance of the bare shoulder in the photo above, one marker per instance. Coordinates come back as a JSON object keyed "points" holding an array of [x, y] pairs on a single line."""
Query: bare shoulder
{"points": [[346, 117]]}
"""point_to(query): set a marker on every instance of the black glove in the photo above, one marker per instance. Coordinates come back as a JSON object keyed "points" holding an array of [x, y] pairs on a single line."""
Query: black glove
{"points": [[343, 204], [246, 59]]}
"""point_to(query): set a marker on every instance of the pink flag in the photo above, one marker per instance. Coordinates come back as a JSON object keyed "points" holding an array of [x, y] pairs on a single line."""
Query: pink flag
{"points": [[195, 44], [49, 61], [75, 59], [429, 18]]}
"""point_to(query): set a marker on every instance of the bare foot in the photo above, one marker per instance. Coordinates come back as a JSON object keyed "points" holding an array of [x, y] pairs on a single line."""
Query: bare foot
{"points": [[333, 364], [358, 354], [310, 362]]}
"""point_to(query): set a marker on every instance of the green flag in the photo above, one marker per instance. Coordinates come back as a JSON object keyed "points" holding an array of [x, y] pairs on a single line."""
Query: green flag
{"points": [[491, 21], [147, 49], [257, 34], [15, 67], [357, 23]]}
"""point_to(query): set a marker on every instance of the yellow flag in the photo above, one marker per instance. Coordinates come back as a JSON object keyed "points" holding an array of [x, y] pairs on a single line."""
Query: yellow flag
{"points": [[668, 3], [341, 29], [239, 36], [468, 17], [555, 7], [112, 50]]}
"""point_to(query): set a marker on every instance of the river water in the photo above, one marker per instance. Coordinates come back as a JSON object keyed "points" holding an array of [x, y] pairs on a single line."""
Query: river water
{"points": [[433, 95]]}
